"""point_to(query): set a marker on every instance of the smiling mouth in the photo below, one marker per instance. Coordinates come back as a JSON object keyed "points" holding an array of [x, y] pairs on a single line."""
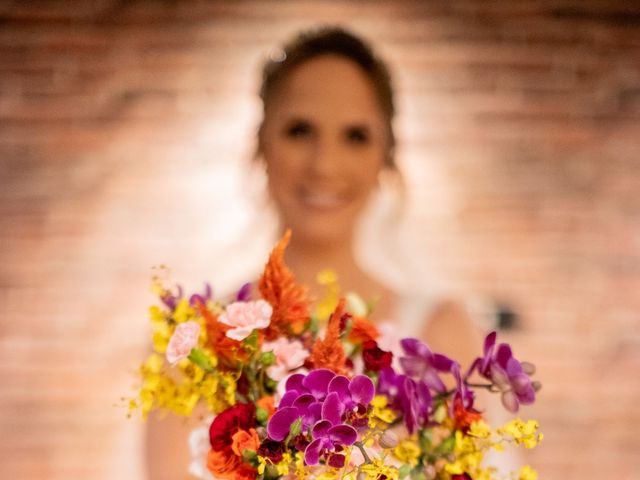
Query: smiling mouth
{"points": [[323, 200]]}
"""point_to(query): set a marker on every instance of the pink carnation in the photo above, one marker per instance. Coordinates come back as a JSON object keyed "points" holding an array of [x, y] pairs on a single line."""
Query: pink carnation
{"points": [[184, 338], [289, 355], [245, 317]]}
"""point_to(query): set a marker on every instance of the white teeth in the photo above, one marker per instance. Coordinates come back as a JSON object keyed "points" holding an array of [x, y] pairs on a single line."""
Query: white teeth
{"points": [[322, 199]]}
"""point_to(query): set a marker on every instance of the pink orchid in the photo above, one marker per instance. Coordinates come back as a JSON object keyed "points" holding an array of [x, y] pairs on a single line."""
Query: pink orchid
{"points": [[289, 355], [245, 317], [183, 340]]}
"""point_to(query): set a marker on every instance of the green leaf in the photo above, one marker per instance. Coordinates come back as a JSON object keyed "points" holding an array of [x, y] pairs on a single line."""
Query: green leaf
{"points": [[447, 445], [201, 359]]}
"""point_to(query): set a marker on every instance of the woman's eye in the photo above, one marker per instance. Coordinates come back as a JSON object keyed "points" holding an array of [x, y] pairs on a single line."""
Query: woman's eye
{"points": [[358, 135], [298, 130]]}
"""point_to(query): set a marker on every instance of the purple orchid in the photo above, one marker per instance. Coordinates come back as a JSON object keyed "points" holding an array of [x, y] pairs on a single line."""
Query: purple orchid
{"points": [[421, 363], [244, 294], [328, 441], [170, 299], [505, 372], [322, 401], [406, 395], [465, 394], [197, 298]]}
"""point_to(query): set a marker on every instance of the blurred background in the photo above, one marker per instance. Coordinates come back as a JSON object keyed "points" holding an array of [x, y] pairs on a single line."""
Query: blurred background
{"points": [[126, 134]]}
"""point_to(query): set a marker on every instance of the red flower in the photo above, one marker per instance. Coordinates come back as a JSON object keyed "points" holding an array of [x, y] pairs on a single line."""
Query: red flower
{"points": [[461, 476], [375, 359], [242, 416]]}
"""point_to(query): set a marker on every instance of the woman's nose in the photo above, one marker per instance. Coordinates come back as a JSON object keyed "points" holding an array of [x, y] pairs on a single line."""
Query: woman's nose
{"points": [[326, 158]]}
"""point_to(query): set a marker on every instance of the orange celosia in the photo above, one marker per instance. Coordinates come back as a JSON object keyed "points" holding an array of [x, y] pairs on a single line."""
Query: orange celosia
{"points": [[289, 300], [329, 352], [362, 330], [245, 440], [227, 350]]}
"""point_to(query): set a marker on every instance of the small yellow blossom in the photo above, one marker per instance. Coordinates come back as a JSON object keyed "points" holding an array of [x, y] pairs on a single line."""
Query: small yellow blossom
{"points": [[377, 469], [527, 473], [325, 307], [380, 415], [523, 433], [479, 429], [407, 452], [301, 471], [183, 312]]}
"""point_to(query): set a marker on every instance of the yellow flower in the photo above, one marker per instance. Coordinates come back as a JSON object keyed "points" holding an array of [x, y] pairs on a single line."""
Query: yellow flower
{"points": [[327, 277], [479, 429], [301, 472], [183, 312], [377, 469], [329, 474], [325, 307], [468, 456], [407, 452], [527, 473], [523, 433], [380, 415]]}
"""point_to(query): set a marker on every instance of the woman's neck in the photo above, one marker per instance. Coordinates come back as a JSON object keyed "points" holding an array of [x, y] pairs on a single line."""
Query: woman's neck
{"points": [[306, 260]]}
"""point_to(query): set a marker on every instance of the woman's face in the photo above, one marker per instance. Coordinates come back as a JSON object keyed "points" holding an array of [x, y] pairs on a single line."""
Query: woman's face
{"points": [[324, 141]]}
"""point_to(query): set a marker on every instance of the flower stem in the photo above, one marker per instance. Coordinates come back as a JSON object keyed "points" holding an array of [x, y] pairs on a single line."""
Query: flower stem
{"points": [[363, 451], [479, 385]]}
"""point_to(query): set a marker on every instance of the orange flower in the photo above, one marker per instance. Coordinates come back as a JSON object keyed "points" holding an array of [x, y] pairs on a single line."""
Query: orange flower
{"points": [[328, 352], [227, 350], [464, 418], [289, 300], [362, 330], [245, 440], [222, 464], [268, 404]]}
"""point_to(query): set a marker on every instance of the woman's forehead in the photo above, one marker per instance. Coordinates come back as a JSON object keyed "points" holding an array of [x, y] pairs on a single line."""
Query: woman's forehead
{"points": [[328, 86]]}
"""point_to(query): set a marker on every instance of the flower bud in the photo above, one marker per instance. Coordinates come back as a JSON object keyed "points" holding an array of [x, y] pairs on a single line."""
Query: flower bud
{"points": [[510, 401], [528, 368], [388, 440], [248, 455], [262, 415], [430, 472], [536, 385], [500, 379], [267, 359]]}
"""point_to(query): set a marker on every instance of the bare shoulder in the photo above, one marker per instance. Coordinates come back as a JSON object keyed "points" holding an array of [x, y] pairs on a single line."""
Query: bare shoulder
{"points": [[450, 330]]}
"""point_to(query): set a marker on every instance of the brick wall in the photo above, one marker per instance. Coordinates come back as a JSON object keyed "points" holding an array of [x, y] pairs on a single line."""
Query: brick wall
{"points": [[124, 126]]}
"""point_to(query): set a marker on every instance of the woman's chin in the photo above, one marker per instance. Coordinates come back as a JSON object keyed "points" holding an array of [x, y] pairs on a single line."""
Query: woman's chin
{"points": [[321, 232]]}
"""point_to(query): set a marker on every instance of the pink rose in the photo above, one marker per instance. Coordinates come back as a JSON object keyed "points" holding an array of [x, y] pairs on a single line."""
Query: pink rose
{"points": [[289, 355], [245, 317], [184, 338]]}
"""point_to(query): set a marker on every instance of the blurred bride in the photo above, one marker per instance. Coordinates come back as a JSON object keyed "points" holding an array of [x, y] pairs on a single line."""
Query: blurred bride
{"points": [[326, 142]]}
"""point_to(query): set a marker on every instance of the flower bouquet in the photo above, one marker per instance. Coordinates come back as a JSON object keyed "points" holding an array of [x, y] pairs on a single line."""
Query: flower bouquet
{"points": [[293, 396]]}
